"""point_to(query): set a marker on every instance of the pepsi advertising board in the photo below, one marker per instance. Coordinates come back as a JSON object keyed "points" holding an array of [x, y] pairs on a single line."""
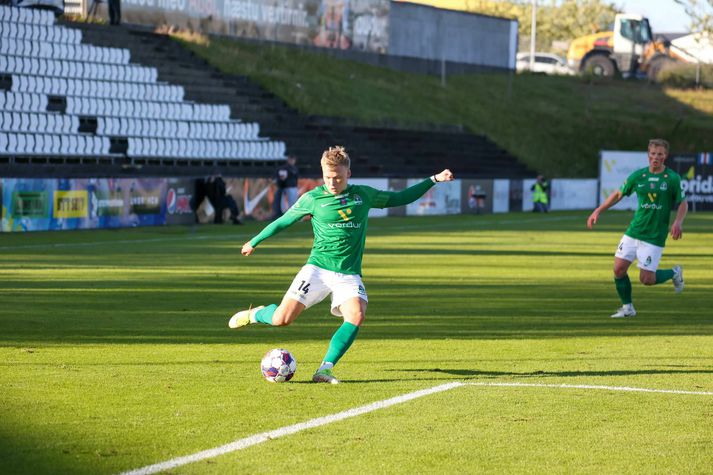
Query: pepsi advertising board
{"points": [[179, 201]]}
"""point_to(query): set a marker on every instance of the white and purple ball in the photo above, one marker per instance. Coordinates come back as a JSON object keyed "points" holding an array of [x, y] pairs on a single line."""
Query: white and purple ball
{"points": [[278, 365]]}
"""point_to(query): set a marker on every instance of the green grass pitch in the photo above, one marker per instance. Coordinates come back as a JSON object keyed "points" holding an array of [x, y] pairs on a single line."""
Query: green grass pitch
{"points": [[115, 352]]}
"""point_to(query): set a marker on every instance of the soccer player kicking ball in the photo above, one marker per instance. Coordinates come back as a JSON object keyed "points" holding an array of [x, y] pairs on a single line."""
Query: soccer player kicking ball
{"points": [[658, 189], [339, 219]]}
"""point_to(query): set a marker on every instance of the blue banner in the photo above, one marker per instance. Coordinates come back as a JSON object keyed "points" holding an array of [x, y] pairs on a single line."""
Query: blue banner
{"points": [[34, 204]]}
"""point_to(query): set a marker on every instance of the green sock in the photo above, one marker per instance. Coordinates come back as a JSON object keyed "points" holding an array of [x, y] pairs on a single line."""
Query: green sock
{"points": [[623, 288], [341, 341], [264, 315], [664, 276]]}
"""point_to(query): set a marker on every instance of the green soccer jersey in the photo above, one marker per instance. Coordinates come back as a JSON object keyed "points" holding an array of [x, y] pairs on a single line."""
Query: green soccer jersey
{"points": [[657, 195], [339, 222]]}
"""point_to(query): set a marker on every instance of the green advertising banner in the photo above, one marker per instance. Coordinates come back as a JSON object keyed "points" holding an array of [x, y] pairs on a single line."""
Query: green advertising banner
{"points": [[29, 204]]}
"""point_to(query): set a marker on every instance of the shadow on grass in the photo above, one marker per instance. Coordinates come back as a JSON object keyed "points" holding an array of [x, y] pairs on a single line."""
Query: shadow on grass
{"points": [[465, 373], [476, 374]]}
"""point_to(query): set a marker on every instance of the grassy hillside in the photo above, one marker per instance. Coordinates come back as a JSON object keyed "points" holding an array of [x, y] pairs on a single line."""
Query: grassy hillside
{"points": [[556, 125]]}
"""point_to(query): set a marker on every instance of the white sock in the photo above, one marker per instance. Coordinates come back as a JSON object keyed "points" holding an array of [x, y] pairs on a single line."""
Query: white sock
{"points": [[326, 365]]}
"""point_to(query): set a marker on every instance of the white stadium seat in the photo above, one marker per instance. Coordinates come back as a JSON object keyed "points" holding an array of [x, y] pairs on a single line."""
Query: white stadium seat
{"points": [[4, 146], [126, 99]]}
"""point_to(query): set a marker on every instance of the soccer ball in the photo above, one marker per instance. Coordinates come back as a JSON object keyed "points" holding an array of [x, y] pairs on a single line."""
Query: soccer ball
{"points": [[278, 365]]}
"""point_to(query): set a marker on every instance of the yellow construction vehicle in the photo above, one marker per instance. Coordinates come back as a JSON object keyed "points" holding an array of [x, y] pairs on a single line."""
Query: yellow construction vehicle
{"points": [[629, 50]]}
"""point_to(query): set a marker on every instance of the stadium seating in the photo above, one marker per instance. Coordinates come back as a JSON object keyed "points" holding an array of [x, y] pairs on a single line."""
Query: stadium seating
{"points": [[377, 151], [71, 99]]}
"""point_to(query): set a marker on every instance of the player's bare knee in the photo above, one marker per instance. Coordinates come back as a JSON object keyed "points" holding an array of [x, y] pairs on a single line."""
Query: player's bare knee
{"points": [[356, 318], [619, 273], [647, 279]]}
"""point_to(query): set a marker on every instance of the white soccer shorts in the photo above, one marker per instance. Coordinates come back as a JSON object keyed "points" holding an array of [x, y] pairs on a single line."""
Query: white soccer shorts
{"points": [[312, 284], [647, 255]]}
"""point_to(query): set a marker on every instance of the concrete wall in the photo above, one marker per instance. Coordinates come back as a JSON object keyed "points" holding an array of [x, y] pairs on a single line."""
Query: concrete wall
{"points": [[425, 32], [398, 35]]}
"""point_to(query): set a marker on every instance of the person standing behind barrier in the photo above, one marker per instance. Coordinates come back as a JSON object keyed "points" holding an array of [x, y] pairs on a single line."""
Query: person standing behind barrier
{"points": [[286, 180], [114, 12], [540, 200]]}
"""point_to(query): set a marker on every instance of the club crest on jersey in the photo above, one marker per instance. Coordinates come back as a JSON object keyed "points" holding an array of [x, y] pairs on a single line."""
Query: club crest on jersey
{"points": [[357, 200], [664, 186]]}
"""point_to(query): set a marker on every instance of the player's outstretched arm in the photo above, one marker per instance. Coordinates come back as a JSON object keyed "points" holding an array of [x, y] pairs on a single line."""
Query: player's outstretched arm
{"points": [[611, 200], [677, 226], [284, 221], [412, 193]]}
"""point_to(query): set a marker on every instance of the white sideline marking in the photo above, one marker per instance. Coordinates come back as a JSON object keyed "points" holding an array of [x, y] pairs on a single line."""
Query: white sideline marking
{"points": [[320, 421], [274, 434], [588, 386]]}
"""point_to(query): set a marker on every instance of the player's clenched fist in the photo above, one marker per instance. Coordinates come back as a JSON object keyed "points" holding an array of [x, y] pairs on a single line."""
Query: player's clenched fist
{"points": [[247, 249], [445, 175]]}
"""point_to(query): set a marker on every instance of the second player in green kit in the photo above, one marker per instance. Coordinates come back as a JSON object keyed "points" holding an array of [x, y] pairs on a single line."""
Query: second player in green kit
{"points": [[658, 191]]}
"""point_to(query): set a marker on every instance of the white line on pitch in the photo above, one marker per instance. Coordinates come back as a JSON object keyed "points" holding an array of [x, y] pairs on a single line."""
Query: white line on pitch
{"points": [[274, 434], [587, 386], [320, 421]]}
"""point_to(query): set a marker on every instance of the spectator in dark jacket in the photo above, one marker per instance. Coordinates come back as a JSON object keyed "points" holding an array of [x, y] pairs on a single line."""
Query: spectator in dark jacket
{"points": [[286, 184]]}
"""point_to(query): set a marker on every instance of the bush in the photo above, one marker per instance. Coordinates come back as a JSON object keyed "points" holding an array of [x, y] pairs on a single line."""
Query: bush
{"points": [[684, 76]]}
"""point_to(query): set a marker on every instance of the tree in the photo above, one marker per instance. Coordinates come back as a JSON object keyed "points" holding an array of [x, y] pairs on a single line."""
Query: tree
{"points": [[700, 13], [558, 21]]}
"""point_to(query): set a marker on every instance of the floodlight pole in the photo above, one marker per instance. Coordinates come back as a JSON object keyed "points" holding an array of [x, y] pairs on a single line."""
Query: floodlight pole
{"points": [[533, 34]]}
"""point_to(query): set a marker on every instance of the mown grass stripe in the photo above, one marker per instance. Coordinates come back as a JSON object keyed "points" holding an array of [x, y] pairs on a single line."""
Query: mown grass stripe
{"points": [[237, 237]]}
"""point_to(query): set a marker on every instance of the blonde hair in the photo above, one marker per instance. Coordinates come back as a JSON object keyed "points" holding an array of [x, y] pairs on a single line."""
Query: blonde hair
{"points": [[659, 143], [335, 156]]}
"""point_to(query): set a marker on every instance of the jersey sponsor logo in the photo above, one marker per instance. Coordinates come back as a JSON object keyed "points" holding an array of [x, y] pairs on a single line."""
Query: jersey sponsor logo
{"points": [[652, 197], [344, 214], [349, 224], [651, 206], [654, 178]]}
